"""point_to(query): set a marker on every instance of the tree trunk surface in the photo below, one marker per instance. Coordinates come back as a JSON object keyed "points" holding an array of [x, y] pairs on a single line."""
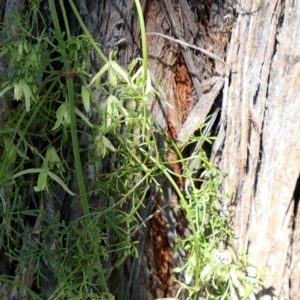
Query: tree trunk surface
{"points": [[245, 73], [260, 152]]}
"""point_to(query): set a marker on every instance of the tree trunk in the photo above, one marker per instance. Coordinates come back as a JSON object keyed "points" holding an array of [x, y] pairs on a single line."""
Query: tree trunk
{"points": [[259, 122], [245, 72]]}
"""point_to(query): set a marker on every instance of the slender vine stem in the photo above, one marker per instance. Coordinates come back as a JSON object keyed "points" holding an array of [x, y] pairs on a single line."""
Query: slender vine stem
{"points": [[65, 18], [73, 121], [54, 15], [137, 163], [87, 33], [74, 134], [143, 37]]}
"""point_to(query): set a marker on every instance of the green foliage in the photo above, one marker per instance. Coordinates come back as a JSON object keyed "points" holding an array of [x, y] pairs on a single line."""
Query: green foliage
{"points": [[49, 77]]}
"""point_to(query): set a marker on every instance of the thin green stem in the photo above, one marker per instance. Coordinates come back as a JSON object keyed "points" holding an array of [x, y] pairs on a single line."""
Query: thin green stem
{"points": [[183, 201], [65, 19], [143, 37], [74, 134], [85, 30], [9, 146], [54, 15], [73, 121], [131, 191]]}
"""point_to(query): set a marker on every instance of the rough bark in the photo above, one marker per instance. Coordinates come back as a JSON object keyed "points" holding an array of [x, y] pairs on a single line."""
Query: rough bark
{"points": [[258, 147], [260, 153]]}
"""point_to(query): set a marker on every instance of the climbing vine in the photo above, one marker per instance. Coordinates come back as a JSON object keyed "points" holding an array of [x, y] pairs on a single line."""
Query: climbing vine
{"points": [[51, 103]]}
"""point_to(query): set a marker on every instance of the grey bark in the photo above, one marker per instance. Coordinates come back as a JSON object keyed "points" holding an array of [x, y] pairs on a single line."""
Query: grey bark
{"points": [[260, 152]]}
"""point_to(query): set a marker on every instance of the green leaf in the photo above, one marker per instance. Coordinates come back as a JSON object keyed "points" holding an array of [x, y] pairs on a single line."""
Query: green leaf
{"points": [[101, 72], [83, 117], [178, 270], [60, 182], [42, 182], [206, 272], [18, 92], [234, 278], [111, 110], [3, 52], [149, 87], [26, 90], [137, 74], [52, 158], [85, 96], [122, 109], [51, 155], [120, 261], [112, 78], [132, 65], [121, 72], [28, 171], [100, 148], [21, 154], [108, 144], [60, 114], [11, 151], [6, 88]]}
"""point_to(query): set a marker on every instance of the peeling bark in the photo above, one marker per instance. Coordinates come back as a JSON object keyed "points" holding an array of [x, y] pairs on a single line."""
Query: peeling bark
{"points": [[261, 149]]}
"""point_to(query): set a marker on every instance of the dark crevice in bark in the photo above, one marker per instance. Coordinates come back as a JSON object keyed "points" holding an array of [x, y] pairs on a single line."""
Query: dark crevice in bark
{"points": [[260, 158], [272, 58], [247, 12], [257, 91], [268, 82], [200, 14], [254, 101], [281, 16], [293, 263], [296, 197], [2, 12], [248, 245]]}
